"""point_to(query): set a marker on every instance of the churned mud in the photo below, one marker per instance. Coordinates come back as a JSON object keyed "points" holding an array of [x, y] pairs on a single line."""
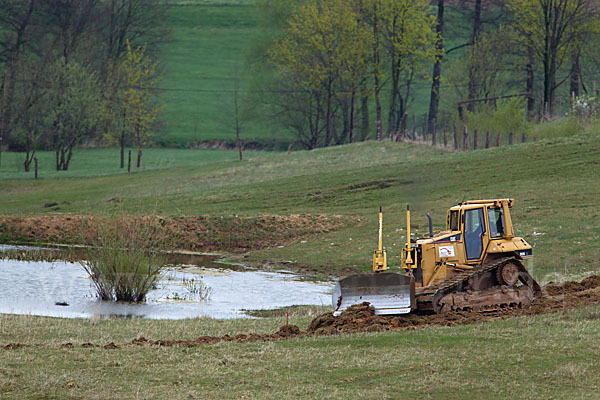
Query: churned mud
{"points": [[362, 318]]}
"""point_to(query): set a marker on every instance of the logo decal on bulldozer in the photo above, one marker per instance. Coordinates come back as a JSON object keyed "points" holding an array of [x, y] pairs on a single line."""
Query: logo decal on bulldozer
{"points": [[446, 251]]}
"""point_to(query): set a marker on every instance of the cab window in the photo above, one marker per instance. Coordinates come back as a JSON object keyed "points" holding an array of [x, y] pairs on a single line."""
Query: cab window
{"points": [[496, 218], [454, 220]]}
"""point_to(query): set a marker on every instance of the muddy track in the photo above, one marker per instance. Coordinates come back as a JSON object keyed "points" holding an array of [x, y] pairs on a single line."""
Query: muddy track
{"points": [[362, 318]]}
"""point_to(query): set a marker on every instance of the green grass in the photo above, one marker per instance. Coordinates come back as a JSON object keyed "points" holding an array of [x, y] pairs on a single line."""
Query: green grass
{"points": [[554, 183], [93, 162], [549, 356], [209, 42]]}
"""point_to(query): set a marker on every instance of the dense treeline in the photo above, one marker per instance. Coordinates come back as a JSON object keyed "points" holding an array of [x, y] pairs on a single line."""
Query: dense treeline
{"points": [[75, 71], [334, 64]]}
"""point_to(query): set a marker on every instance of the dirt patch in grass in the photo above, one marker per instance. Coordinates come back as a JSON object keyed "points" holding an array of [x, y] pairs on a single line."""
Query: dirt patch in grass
{"points": [[362, 318], [204, 233]]}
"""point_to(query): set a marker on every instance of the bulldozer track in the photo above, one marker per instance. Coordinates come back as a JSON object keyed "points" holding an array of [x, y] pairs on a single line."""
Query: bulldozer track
{"points": [[425, 296]]}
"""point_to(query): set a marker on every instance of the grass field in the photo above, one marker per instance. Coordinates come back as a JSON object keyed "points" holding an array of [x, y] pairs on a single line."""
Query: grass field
{"points": [[554, 182], [205, 54], [92, 162], [550, 356]]}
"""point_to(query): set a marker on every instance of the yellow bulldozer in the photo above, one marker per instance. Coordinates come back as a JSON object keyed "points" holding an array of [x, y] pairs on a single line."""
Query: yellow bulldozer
{"points": [[475, 264]]}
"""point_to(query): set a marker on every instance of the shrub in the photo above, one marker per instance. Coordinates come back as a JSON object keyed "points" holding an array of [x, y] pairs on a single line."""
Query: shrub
{"points": [[126, 259], [509, 116], [558, 128], [585, 107]]}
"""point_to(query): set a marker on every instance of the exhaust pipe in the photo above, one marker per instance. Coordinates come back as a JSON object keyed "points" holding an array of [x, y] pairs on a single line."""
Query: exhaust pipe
{"points": [[430, 225]]}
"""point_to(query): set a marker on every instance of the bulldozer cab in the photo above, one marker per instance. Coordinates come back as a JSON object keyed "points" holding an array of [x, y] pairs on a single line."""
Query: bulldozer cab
{"points": [[479, 223]]}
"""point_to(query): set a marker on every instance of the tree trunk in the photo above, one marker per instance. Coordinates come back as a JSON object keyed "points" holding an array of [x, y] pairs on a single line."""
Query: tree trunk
{"points": [[122, 144], [364, 115], [351, 129], [376, 74], [529, 84], [473, 84], [27, 161], [328, 115], [434, 98], [139, 156], [393, 100], [575, 75]]}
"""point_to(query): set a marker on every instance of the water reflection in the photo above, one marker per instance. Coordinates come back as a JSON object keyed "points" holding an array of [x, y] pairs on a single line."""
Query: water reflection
{"points": [[44, 287]]}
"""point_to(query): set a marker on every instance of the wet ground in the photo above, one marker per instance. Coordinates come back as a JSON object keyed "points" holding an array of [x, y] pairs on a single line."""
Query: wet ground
{"points": [[196, 287]]}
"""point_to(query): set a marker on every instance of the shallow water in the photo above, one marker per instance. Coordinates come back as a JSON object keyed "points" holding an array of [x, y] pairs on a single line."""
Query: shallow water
{"points": [[35, 287]]}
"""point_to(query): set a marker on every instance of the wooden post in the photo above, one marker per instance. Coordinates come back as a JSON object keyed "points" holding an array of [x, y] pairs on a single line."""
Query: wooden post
{"points": [[433, 132], [465, 137], [524, 138], [475, 132], [424, 128], [498, 139], [487, 139], [445, 137], [414, 130], [129, 163], [510, 138], [35, 163], [455, 132]]}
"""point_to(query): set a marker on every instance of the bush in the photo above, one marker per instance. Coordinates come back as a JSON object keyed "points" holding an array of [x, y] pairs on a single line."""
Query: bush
{"points": [[126, 259], [559, 128], [509, 116], [585, 107]]}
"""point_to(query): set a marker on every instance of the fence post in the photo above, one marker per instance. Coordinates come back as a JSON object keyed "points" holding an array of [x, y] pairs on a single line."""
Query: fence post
{"points": [[433, 131], [129, 163], [424, 128], [510, 138], [455, 132], [524, 138], [487, 139], [35, 163], [498, 139], [465, 137], [475, 132], [414, 131]]}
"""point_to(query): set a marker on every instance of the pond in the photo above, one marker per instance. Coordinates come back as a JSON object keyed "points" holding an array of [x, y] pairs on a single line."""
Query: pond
{"points": [[63, 289]]}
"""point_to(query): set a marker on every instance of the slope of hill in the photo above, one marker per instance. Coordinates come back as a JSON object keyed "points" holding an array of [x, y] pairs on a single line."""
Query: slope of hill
{"points": [[554, 182]]}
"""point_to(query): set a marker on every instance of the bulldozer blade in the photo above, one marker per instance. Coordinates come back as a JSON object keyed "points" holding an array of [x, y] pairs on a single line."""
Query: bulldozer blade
{"points": [[387, 293]]}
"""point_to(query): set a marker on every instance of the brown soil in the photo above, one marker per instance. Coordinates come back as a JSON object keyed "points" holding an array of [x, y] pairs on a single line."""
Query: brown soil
{"points": [[204, 233], [362, 318]]}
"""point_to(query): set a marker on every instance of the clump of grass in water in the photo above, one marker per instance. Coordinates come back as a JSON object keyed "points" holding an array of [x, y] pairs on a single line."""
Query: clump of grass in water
{"points": [[126, 261]]}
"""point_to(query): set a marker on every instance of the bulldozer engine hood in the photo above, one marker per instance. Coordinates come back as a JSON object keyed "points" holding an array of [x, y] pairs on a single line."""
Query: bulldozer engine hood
{"points": [[517, 245]]}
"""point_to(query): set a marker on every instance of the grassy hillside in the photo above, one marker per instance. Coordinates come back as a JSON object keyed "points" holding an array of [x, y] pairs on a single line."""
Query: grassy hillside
{"points": [[550, 356], [554, 182], [209, 42]]}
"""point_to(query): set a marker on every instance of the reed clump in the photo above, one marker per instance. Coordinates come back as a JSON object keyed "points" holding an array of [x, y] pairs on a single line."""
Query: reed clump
{"points": [[127, 258]]}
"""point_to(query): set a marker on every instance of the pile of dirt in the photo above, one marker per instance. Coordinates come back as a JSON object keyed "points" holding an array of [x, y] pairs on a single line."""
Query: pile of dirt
{"points": [[201, 233], [557, 289], [285, 332]]}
